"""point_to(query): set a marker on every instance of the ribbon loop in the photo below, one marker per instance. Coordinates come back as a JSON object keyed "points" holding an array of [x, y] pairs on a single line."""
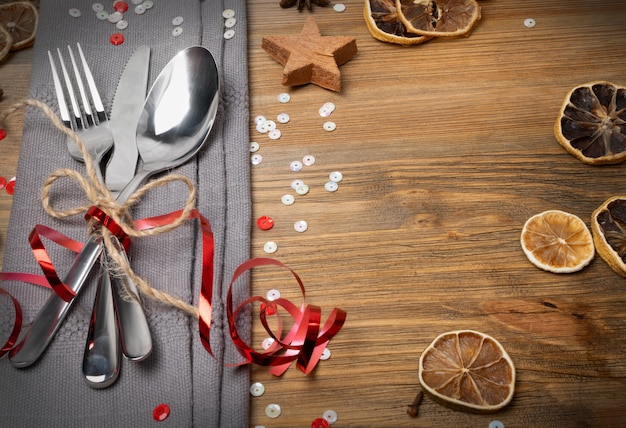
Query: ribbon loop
{"points": [[304, 342]]}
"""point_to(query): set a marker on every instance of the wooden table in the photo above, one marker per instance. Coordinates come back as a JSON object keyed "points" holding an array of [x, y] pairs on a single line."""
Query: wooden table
{"points": [[446, 149]]}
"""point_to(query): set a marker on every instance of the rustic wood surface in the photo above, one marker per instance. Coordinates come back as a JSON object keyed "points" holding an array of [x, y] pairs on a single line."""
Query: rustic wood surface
{"points": [[446, 149], [14, 82]]}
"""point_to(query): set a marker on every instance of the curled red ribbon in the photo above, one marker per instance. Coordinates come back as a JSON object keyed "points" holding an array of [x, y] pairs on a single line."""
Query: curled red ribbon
{"points": [[17, 326], [305, 342], [50, 279], [43, 258]]}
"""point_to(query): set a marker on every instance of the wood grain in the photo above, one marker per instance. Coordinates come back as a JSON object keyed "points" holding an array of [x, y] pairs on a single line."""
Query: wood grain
{"points": [[14, 81], [446, 149]]}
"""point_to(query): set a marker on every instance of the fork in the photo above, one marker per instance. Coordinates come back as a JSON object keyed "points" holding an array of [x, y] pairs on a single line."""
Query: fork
{"points": [[102, 356], [92, 127]]}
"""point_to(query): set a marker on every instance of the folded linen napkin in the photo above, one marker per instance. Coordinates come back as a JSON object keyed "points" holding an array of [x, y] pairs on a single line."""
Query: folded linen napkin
{"points": [[199, 390]]}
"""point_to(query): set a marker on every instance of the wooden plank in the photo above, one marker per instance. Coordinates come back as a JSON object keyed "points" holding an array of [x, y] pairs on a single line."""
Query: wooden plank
{"points": [[15, 72]]}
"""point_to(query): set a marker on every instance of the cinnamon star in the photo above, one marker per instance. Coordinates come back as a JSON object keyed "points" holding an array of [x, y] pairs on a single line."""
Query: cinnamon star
{"points": [[310, 57]]}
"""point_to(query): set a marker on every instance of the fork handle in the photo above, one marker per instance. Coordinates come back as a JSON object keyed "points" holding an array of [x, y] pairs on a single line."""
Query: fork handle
{"points": [[35, 339]]}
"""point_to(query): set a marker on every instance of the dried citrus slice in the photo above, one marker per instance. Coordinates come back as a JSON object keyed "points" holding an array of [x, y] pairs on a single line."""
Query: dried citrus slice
{"points": [[383, 24], [468, 370], [608, 224], [20, 20], [441, 18], [557, 241], [5, 43], [592, 123]]}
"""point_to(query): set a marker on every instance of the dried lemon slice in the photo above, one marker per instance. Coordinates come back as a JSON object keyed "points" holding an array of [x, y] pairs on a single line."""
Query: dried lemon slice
{"points": [[592, 123], [441, 18], [608, 224], [557, 241], [383, 24], [468, 370], [20, 20], [5, 43]]}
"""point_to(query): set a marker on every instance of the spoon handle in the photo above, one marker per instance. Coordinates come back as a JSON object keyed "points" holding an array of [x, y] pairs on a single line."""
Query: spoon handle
{"points": [[35, 339], [101, 360]]}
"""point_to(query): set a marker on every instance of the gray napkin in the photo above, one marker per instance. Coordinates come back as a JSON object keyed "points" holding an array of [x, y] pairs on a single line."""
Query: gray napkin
{"points": [[199, 390]]}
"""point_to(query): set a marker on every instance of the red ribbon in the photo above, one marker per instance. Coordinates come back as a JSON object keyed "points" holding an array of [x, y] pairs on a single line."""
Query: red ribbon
{"points": [[305, 342], [104, 219], [51, 279], [17, 326]]}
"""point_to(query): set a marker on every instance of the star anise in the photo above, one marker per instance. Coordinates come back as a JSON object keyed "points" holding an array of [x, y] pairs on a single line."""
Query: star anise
{"points": [[301, 4]]}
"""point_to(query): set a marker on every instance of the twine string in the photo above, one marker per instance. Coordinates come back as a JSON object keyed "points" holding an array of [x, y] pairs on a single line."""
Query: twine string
{"points": [[99, 196]]}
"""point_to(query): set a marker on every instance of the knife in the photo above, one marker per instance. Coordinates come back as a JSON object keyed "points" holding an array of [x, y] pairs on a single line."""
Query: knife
{"points": [[120, 320], [127, 106]]}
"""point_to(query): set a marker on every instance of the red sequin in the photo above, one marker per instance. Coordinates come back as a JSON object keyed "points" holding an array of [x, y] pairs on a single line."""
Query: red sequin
{"points": [[10, 187], [320, 423], [120, 6], [161, 412], [116, 39], [3, 134], [265, 223]]}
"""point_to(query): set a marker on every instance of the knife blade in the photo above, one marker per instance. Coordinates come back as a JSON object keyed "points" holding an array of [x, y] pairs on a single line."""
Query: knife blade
{"points": [[127, 105]]}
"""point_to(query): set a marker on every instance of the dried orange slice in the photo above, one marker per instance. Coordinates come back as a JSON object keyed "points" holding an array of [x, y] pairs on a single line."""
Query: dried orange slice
{"points": [[441, 18], [557, 241], [608, 224], [20, 20], [5, 43], [592, 123], [468, 370], [383, 24]]}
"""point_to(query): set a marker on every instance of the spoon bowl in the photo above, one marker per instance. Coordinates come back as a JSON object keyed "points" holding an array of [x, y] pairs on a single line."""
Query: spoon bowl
{"points": [[178, 114]]}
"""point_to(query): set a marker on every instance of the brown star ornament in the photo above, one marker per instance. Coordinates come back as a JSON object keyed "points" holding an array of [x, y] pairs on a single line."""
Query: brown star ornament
{"points": [[310, 57]]}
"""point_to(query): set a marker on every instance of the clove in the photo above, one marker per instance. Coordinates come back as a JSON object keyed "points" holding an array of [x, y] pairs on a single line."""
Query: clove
{"points": [[412, 409]]}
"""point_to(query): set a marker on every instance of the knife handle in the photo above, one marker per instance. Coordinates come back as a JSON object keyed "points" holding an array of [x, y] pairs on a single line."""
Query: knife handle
{"points": [[131, 319], [35, 339]]}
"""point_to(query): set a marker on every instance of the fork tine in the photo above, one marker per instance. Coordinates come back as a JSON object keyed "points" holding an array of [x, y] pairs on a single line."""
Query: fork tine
{"points": [[65, 113], [81, 89], [92, 87], [70, 90]]}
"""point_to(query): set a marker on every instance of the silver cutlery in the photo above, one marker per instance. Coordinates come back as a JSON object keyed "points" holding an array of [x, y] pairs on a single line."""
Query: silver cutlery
{"points": [[101, 361], [177, 117]]}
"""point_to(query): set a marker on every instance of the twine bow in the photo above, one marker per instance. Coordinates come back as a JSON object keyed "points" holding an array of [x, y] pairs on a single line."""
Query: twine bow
{"points": [[99, 196]]}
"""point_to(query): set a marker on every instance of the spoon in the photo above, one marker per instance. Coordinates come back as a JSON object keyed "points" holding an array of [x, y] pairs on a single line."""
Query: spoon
{"points": [[178, 115]]}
